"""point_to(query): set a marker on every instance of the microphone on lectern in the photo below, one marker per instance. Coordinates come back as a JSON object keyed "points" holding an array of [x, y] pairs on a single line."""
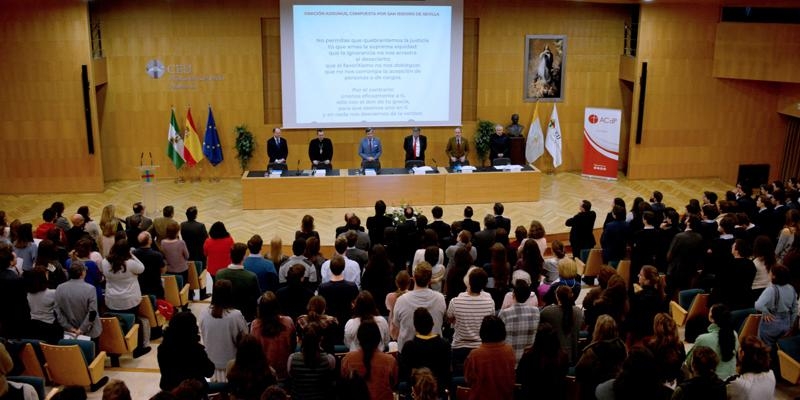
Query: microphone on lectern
{"points": [[435, 164], [298, 167]]}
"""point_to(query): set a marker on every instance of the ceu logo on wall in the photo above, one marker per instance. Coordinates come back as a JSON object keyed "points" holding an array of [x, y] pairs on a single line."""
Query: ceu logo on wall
{"points": [[155, 69], [601, 129]]}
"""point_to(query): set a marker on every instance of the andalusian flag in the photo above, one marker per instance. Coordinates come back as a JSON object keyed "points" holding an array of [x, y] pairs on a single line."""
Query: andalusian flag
{"points": [[175, 142], [534, 146], [192, 150], [211, 147]]}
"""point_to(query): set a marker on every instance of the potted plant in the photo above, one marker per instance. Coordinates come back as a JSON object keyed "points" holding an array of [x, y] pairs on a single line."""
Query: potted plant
{"points": [[483, 134], [245, 145]]}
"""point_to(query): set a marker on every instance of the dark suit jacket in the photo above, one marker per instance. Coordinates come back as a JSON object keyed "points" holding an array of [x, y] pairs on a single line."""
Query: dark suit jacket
{"points": [[194, 234], [275, 151], [375, 226], [320, 151], [409, 148], [581, 233], [505, 223], [471, 225], [442, 230]]}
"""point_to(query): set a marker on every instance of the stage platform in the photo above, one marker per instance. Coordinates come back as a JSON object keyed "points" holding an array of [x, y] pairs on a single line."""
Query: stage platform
{"points": [[351, 188]]}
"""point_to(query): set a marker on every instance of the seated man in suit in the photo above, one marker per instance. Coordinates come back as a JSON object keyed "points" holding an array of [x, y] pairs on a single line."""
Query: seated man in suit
{"points": [[415, 145], [370, 148], [457, 149], [320, 151], [277, 148]]}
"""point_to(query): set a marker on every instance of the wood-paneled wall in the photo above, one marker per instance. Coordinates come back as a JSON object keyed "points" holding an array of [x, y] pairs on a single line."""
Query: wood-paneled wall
{"points": [[43, 44], [696, 125], [764, 52]]}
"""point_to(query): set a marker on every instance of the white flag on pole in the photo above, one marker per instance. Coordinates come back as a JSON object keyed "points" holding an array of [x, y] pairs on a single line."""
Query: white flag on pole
{"points": [[534, 146], [553, 140]]}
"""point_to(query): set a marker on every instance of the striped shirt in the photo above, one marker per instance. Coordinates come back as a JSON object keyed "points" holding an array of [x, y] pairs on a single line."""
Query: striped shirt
{"points": [[468, 312], [522, 321]]}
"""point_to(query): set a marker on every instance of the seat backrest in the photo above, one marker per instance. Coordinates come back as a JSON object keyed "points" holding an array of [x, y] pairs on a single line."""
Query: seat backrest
{"points": [[146, 311], [171, 291], [678, 313], [32, 366], [86, 347], [112, 340], [699, 306], [739, 316], [594, 262], [624, 270], [686, 297], [501, 161], [194, 280], [462, 393], [750, 326], [66, 365]]}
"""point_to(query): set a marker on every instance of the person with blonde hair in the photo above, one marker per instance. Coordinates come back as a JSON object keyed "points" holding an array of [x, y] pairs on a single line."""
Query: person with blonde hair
{"points": [[602, 359], [667, 347], [424, 385], [276, 251]]}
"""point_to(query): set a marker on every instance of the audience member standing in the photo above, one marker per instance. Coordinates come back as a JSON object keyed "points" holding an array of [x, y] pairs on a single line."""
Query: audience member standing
{"points": [[153, 262], [276, 334], [264, 269], [581, 232], [465, 313], [245, 283], [221, 326], [756, 380], [521, 320], [311, 369], [542, 370], [489, 369], [76, 304], [421, 296], [426, 350], [217, 248], [339, 295], [122, 270], [180, 354], [377, 369], [194, 234], [566, 319]]}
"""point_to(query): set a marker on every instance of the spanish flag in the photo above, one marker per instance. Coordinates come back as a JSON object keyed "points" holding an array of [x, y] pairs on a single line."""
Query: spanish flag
{"points": [[192, 149]]}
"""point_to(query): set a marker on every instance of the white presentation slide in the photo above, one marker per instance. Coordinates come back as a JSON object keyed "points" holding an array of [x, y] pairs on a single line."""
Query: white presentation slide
{"points": [[357, 65]]}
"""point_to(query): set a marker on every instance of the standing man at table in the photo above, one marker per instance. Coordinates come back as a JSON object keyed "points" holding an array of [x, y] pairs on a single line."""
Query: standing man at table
{"points": [[457, 148], [415, 145], [277, 148], [370, 149], [320, 151], [498, 144]]}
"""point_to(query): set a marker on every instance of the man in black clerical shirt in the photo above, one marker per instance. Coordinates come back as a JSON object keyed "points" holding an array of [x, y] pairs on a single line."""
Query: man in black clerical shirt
{"points": [[320, 151]]}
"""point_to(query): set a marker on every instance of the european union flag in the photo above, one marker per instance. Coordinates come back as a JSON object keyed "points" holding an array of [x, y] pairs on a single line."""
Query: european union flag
{"points": [[211, 147]]}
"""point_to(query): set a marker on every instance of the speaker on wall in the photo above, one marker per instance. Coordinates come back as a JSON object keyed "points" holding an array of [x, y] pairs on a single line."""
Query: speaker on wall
{"points": [[642, 90], [87, 108]]}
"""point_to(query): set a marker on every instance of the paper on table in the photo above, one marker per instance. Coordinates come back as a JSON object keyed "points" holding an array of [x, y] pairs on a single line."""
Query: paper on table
{"points": [[320, 172], [370, 172]]}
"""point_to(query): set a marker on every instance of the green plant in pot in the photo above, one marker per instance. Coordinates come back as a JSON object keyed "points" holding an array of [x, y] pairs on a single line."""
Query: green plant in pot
{"points": [[245, 145], [483, 134]]}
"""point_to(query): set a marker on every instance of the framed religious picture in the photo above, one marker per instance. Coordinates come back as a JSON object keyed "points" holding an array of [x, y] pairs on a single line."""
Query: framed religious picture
{"points": [[545, 57]]}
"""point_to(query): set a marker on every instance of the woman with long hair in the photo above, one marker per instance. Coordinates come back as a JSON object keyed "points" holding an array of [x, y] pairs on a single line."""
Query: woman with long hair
{"points": [[500, 273], [180, 354], [377, 278], [123, 294], [311, 369], [276, 334], [778, 306], [221, 326], [24, 246], [327, 325], [42, 303], [567, 319], [377, 369], [402, 281], [617, 202], [365, 309], [47, 257], [756, 379], [786, 236], [542, 370], [667, 347], [764, 259], [276, 252], [454, 281], [249, 373], [721, 338], [217, 248], [537, 234], [531, 262], [638, 378], [109, 226], [306, 229], [312, 253], [646, 303], [602, 358], [423, 385]]}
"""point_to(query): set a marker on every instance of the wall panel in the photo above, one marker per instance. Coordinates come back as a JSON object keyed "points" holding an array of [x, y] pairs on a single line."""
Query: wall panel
{"points": [[41, 104]]}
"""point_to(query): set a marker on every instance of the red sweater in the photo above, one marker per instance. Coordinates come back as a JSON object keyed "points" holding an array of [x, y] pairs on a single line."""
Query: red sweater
{"points": [[489, 371], [218, 253]]}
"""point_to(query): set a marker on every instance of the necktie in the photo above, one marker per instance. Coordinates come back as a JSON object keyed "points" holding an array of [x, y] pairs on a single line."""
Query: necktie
{"points": [[370, 144], [415, 148], [458, 145], [278, 142]]}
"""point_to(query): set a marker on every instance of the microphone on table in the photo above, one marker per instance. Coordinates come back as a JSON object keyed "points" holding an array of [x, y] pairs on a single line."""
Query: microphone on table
{"points": [[298, 167], [435, 164]]}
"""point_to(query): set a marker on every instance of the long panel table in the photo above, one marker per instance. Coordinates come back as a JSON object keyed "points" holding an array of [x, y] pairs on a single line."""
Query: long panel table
{"points": [[344, 189]]}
